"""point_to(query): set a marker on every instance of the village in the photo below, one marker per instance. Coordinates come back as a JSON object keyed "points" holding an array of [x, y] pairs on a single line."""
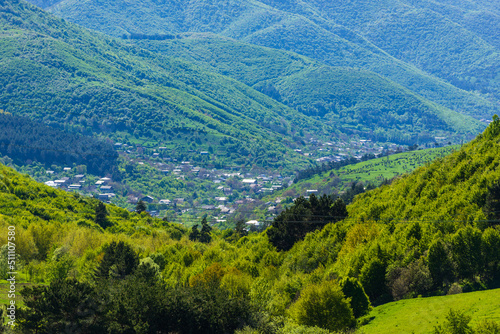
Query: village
{"points": [[225, 190]]}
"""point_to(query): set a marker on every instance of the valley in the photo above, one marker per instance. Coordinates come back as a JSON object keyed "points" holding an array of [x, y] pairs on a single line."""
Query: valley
{"points": [[249, 166]]}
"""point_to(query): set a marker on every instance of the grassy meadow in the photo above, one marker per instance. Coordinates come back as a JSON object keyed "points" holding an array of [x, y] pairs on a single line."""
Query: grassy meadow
{"points": [[421, 315]]}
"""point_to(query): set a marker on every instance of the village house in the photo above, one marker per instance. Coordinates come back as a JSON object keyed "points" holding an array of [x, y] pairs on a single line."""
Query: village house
{"points": [[147, 199]]}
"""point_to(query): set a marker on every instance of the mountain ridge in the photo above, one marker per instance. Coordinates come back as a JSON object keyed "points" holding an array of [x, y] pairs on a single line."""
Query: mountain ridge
{"points": [[323, 33]]}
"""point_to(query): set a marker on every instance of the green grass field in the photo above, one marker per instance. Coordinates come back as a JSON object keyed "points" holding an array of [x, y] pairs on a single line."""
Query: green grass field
{"points": [[392, 165], [421, 315], [375, 171]]}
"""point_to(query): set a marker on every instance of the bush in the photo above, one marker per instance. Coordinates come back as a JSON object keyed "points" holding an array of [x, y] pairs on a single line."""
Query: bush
{"points": [[323, 305], [456, 323]]}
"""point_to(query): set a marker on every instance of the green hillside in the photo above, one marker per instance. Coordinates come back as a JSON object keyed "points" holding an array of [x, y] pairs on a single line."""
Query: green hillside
{"points": [[209, 281], [372, 171], [354, 101], [445, 53], [108, 86], [453, 189]]}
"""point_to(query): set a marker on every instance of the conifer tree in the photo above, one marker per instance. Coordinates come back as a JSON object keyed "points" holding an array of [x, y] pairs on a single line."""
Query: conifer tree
{"points": [[195, 233], [119, 260], [205, 236], [141, 207], [101, 215]]}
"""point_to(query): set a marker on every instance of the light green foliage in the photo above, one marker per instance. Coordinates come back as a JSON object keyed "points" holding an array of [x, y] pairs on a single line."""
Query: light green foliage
{"points": [[451, 190], [59, 265], [487, 327], [456, 323]]}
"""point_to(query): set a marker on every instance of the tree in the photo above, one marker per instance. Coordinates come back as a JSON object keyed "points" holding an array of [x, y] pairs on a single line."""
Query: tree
{"points": [[140, 207], [304, 216], [359, 301], [440, 264], [466, 250], [205, 231], [240, 229], [372, 277], [101, 215], [490, 245], [456, 323], [203, 236], [412, 280], [323, 305], [492, 206], [118, 261], [66, 306], [195, 233]]}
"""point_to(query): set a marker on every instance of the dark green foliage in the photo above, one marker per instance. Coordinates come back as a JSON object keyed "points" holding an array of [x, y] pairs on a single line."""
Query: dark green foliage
{"points": [[466, 251], [135, 305], [360, 303], [25, 140], [492, 206], [195, 233], [490, 247], [141, 207], [205, 231], [203, 235], [65, 306], [240, 229], [101, 215], [119, 260], [410, 281], [415, 231], [441, 265], [304, 216], [206, 309], [372, 278]]}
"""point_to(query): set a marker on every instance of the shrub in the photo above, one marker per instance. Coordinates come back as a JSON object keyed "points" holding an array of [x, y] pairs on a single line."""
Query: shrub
{"points": [[323, 305]]}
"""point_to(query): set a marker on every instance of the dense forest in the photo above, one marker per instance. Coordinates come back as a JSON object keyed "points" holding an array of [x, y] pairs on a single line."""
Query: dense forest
{"points": [[26, 141], [127, 92], [444, 51]]}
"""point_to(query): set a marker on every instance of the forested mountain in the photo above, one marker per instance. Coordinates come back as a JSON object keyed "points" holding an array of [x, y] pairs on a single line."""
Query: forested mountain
{"points": [[462, 187], [352, 100], [94, 83], [60, 73], [446, 51]]}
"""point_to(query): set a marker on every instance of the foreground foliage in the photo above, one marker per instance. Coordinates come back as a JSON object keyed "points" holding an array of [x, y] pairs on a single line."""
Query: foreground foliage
{"points": [[242, 281]]}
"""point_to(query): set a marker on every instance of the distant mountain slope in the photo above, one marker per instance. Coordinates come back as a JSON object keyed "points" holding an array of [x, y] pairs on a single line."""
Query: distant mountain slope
{"points": [[352, 100], [64, 74], [454, 189], [61, 73], [446, 52]]}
